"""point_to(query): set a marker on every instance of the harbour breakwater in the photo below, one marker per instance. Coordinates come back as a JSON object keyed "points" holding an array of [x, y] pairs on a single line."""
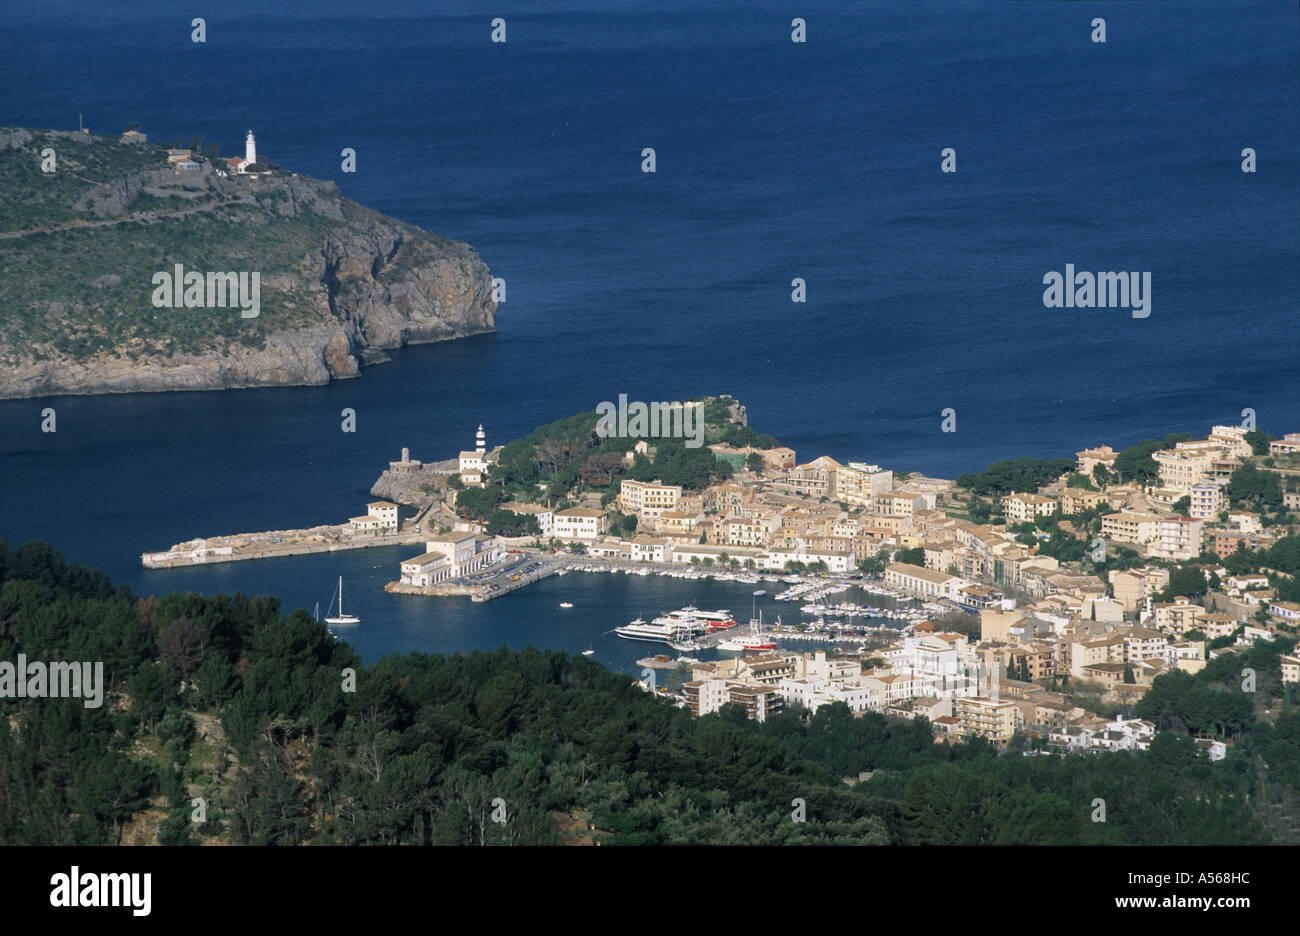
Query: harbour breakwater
{"points": [[272, 544]]}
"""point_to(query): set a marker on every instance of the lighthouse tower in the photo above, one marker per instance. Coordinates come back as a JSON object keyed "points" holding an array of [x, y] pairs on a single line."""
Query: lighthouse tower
{"points": [[480, 441], [250, 149]]}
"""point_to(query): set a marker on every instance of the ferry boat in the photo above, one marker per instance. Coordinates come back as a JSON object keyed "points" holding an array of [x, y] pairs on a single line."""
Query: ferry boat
{"points": [[654, 632], [694, 619]]}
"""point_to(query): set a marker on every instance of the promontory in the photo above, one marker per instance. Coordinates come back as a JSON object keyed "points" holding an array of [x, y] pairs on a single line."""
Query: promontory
{"points": [[127, 265]]}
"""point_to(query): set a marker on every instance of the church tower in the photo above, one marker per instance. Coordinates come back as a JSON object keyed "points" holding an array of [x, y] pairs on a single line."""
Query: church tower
{"points": [[250, 149], [480, 441]]}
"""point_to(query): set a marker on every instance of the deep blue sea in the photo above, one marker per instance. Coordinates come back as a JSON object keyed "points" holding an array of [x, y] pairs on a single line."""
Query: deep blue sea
{"points": [[775, 160]]}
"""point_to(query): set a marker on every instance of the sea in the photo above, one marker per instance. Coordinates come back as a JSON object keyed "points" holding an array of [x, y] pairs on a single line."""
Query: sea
{"points": [[775, 160]]}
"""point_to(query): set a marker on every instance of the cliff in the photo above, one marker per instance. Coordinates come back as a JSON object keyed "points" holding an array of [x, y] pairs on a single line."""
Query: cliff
{"points": [[81, 247]]}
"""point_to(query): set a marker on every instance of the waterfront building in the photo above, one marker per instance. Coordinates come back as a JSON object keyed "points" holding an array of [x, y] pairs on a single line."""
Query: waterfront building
{"points": [[918, 582], [651, 549], [449, 556], [580, 523]]}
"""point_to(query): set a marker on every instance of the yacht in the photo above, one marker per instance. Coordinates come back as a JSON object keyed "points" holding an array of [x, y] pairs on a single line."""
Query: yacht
{"points": [[566, 604], [341, 618]]}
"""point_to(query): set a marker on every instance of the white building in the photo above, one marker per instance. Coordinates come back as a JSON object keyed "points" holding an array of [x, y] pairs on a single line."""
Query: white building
{"points": [[580, 523], [474, 463], [381, 517], [919, 582], [652, 549], [449, 556], [545, 516]]}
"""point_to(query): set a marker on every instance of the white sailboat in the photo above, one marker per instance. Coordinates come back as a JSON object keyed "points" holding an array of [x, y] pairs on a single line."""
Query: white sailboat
{"points": [[341, 618]]}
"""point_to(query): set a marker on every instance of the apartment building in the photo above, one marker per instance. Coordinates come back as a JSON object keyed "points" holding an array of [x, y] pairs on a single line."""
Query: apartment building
{"points": [[1092, 651], [1134, 527], [995, 719], [812, 692], [900, 503], [1026, 508], [1178, 616], [1180, 538], [1187, 464], [859, 483], [1142, 643], [648, 498], [1206, 501], [1131, 587]]}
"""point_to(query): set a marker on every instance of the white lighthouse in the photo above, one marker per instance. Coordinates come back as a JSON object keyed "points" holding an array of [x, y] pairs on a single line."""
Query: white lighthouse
{"points": [[480, 441], [250, 149]]}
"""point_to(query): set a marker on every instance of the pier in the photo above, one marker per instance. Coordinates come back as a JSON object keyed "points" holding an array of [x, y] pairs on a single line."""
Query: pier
{"points": [[274, 544]]}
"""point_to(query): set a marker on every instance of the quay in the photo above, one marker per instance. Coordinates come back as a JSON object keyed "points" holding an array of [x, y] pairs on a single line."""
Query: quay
{"points": [[274, 544], [510, 573], [660, 661]]}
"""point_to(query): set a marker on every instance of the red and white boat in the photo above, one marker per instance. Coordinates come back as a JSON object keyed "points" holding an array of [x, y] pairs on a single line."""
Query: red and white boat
{"points": [[756, 640]]}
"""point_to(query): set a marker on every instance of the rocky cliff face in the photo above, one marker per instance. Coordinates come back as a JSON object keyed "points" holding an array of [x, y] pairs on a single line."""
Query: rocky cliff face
{"points": [[340, 284]]}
